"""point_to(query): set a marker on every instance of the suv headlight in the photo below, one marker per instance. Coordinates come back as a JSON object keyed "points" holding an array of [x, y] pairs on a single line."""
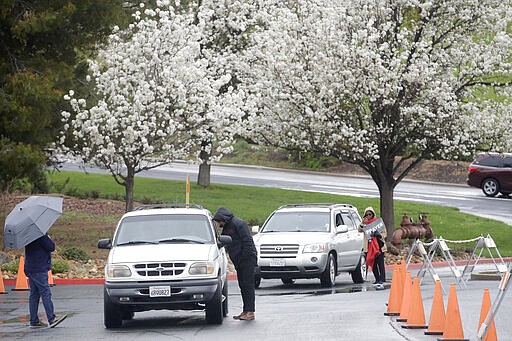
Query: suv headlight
{"points": [[114, 271], [315, 248], [202, 268]]}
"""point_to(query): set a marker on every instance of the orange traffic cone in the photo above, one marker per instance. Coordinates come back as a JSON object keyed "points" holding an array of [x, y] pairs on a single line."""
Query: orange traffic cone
{"points": [[395, 293], [50, 278], [453, 324], [406, 298], [437, 314], [21, 278], [416, 318], [486, 306], [2, 286]]}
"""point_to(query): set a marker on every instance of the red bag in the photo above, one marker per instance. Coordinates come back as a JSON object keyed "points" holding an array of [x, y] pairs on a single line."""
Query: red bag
{"points": [[373, 252]]}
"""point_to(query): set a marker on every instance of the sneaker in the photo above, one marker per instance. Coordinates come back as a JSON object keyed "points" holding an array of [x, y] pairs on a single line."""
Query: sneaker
{"points": [[38, 325], [57, 319], [379, 287]]}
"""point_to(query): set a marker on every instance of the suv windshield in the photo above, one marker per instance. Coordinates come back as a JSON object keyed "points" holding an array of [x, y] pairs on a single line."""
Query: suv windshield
{"points": [[298, 222], [154, 229]]}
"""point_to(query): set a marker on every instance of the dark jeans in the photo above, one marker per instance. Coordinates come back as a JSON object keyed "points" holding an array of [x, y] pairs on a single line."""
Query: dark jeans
{"points": [[39, 288], [378, 268], [245, 275]]}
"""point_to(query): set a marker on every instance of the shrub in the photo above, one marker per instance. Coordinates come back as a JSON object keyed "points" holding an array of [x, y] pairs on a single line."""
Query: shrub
{"points": [[12, 266], [76, 254], [60, 266]]}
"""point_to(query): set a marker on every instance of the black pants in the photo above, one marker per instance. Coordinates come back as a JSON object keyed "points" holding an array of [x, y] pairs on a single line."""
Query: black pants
{"points": [[245, 275], [379, 271]]}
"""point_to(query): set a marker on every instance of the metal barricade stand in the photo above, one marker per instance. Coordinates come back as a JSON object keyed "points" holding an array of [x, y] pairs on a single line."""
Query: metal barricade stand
{"points": [[481, 244], [503, 287]]}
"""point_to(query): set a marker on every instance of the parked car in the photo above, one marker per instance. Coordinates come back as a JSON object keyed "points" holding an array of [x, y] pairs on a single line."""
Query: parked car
{"points": [[311, 241], [492, 172], [165, 257]]}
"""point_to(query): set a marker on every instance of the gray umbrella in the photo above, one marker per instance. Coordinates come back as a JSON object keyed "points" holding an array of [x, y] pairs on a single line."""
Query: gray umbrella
{"points": [[30, 219]]}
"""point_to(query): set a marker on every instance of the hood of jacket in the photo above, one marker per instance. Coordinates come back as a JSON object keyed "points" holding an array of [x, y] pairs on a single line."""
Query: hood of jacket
{"points": [[223, 214]]}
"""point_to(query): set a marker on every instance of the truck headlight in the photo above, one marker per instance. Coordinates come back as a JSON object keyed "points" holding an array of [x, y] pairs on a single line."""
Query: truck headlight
{"points": [[202, 268], [315, 248], [114, 271]]}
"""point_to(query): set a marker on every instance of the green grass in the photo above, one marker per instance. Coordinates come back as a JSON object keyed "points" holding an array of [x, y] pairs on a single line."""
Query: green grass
{"points": [[254, 204]]}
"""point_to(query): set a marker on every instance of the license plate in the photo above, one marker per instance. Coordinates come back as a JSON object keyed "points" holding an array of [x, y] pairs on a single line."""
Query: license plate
{"points": [[277, 262], [160, 291]]}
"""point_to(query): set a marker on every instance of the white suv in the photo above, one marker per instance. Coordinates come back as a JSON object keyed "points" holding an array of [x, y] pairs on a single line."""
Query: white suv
{"points": [[165, 257], [311, 241]]}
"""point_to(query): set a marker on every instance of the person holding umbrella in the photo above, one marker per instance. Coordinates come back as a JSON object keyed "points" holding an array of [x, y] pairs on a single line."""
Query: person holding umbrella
{"points": [[27, 226], [38, 261]]}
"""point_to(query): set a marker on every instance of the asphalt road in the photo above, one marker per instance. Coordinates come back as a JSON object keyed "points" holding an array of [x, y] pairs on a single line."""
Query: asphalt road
{"points": [[303, 311], [467, 199]]}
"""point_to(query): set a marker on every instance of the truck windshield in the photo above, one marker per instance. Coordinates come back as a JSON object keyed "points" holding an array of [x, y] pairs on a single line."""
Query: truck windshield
{"points": [[298, 222], [157, 228]]}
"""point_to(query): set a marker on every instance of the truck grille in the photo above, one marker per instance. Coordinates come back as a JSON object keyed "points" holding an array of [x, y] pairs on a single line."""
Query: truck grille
{"points": [[159, 269], [279, 250]]}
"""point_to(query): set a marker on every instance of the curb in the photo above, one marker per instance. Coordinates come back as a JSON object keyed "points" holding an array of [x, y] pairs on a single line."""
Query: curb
{"points": [[231, 277]]}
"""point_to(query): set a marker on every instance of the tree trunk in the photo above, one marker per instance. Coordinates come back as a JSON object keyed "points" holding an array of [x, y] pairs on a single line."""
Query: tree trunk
{"points": [[387, 207], [129, 182], [203, 178]]}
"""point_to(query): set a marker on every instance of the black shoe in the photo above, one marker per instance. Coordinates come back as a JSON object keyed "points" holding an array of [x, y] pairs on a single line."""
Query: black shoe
{"points": [[38, 325]]}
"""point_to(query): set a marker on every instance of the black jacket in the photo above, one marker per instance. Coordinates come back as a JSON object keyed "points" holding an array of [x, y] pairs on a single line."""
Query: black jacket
{"points": [[242, 246]]}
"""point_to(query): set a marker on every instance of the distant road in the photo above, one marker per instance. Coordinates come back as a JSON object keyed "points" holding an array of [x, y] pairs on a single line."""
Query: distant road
{"points": [[467, 199]]}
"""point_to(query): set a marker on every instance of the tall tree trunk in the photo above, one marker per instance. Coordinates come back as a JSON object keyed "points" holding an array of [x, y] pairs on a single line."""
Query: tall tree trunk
{"points": [[129, 182], [387, 207], [203, 178]]}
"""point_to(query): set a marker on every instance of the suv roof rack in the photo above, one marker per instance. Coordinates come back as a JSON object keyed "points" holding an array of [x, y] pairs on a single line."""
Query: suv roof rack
{"points": [[154, 206], [315, 205]]}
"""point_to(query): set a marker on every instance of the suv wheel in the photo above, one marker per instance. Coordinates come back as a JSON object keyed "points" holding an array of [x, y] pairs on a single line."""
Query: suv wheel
{"points": [[111, 312], [257, 281], [490, 187], [329, 275], [214, 314], [360, 272]]}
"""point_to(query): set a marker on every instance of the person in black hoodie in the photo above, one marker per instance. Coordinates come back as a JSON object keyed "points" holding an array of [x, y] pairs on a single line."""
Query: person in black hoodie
{"points": [[242, 253], [38, 261]]}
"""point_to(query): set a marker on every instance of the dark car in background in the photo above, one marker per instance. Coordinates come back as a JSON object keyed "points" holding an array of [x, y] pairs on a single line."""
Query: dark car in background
{"points": [[492, 172]]}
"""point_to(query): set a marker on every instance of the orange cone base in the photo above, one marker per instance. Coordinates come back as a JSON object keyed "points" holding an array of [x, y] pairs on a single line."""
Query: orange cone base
{"points": [[392, 314], [434, 333], [414, 327], [401, 320], [3, 292], [452, 339], [20, 289]]}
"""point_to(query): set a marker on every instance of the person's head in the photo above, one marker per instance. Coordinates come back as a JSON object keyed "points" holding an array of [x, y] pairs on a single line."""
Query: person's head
{"points": [[369, 213], [222, 216]]}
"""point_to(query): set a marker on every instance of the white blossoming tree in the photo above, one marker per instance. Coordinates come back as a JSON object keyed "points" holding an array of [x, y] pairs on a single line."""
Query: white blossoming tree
{"points": [[156, 98], [382, 84]]}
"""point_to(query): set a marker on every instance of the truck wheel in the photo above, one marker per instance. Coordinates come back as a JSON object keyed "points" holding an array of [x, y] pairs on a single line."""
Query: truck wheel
{"points": [[328, 277], [360, 272], [214, 314], [111, 312], [225, 299]]}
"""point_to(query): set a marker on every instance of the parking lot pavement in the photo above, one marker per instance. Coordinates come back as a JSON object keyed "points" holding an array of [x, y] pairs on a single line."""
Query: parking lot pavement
{"points": [[303, 311]]}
